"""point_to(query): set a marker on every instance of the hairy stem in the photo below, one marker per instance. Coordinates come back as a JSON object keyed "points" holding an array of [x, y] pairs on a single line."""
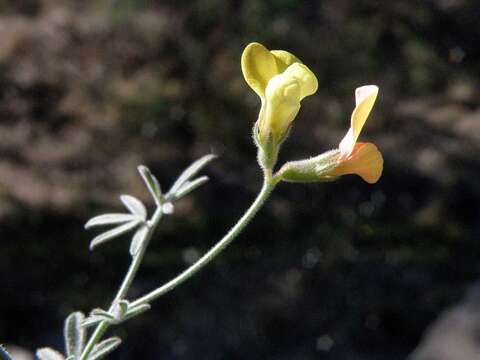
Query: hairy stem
{"points": [[268, 186], [127, 281]]}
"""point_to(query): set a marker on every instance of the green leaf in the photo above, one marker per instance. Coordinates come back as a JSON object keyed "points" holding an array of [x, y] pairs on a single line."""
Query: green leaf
{"points": [[97, 315], [152, 183], [93, 320], [189, 186], [134, 205], [119, 230], [74, 334], [49, 354], [136, 310], [104, 348], [137, 240], [101, 312], [119, 310], [189, 172], [108, 219]]}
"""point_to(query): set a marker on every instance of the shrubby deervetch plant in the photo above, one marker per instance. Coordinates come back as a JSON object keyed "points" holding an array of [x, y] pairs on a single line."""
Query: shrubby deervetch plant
{"points": [[281, 81]]}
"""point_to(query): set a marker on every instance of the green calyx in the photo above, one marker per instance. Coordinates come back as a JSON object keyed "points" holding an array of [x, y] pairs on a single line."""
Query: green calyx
{"points": [[316, 169]]}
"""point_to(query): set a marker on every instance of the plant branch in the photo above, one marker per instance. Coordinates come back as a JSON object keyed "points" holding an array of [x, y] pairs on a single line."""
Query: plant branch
{"points": [[127, 281], [268, 186]]}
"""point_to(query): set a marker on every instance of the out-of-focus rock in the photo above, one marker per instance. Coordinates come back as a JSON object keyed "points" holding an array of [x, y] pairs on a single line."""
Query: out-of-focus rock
{"points": [[455, 335], [19, 353]]}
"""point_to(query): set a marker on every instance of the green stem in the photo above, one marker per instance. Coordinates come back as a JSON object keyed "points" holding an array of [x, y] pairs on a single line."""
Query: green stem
{"points": [[127, 281], [137, 260], [268, 186]]}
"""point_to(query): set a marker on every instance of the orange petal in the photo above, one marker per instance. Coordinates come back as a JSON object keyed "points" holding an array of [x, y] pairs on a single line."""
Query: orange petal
{"points": [[365, 161]]}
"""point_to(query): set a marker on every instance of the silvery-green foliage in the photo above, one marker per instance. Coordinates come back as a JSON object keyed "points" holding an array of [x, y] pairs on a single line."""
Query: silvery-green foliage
{"points": [[137, 216], [152, 183], [74, 334], [121, 311], [138, 212], [182, 185], [110, 219], [115, 232], [189, 186], [97, 316], [104, 348], [138, 239], [135, 206], [76, 325], [136, 310]]}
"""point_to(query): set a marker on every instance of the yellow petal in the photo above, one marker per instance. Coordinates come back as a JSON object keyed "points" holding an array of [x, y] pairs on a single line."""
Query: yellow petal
{"points": [[284, 59], [283, 87], [258, 67], [306, 78], [282, 101], [365, 161], [365, 97], [281, 106]]}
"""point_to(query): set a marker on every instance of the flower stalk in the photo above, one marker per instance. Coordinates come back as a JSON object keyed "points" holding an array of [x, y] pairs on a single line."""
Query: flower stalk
{"points": [[268, 185]]}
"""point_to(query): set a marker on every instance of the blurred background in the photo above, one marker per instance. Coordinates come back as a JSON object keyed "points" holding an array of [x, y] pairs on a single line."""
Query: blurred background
{"points": [[344, 270]]}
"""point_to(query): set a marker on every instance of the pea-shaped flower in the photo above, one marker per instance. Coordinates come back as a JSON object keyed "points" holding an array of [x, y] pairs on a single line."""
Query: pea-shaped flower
{"points": [[281, 81], [362, 159]]}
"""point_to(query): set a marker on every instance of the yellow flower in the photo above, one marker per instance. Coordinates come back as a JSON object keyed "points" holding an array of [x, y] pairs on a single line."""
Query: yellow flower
{"points": [[281, 81], [362, 159]]}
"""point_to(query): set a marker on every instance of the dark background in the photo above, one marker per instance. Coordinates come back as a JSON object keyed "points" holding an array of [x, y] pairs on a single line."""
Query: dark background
{"points": [[344, 270]]}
